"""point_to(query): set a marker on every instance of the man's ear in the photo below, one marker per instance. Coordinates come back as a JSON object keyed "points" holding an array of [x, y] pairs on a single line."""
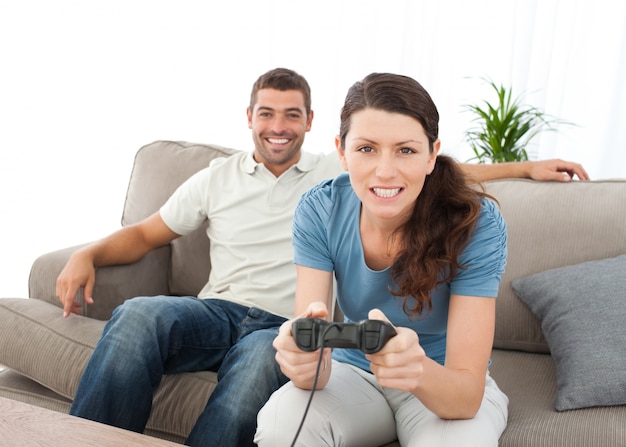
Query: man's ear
{"points": [[341, 153], [249, 115], [309, 121]]}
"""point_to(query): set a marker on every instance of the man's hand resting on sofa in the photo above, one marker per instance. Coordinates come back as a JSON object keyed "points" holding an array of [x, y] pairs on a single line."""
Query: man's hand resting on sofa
{"points": [[78, 272], [555, 170], [542, 170]]}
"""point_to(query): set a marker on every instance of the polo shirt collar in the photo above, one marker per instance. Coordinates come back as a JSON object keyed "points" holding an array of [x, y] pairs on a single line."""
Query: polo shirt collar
{"points": [[249, 163]]}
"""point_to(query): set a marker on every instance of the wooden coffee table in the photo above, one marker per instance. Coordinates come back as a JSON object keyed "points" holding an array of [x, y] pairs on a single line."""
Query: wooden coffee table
{"points": [[27, 425]]}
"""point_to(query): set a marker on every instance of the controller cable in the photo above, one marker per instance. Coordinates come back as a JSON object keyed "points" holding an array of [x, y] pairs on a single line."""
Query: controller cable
{"points": [[317, 375]]}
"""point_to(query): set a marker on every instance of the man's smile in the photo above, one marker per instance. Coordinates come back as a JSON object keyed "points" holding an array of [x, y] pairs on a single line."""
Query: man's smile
{"points": [[278, 140]]}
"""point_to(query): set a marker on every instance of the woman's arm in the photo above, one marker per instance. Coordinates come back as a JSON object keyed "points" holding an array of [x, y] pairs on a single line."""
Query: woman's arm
{"points": [[312, 286], [454, 390], [314, 290]]}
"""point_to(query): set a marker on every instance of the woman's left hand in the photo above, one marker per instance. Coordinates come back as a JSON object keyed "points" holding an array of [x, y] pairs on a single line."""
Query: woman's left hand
{"points": [[400, 364]]}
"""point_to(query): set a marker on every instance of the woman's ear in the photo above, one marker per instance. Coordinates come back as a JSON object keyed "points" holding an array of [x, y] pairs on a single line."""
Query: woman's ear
{"points": [[341, 153], [433, 156]]}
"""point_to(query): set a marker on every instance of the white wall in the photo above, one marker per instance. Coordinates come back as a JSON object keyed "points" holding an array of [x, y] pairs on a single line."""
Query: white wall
{"points": [[84, 84]]}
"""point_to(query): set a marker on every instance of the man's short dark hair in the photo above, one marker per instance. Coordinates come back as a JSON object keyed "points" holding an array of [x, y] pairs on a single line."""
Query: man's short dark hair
{"points": [[282, 79]]}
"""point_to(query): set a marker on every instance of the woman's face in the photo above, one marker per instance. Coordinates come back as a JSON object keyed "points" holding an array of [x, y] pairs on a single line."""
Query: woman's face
{"points": [[388, 158]]}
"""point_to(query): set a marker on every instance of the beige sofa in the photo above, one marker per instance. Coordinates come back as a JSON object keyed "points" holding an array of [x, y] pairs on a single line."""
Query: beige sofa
{"points": [[550, 225]]}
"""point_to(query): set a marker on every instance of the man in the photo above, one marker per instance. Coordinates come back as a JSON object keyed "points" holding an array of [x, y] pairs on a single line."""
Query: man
{"points": [[230, 327]]}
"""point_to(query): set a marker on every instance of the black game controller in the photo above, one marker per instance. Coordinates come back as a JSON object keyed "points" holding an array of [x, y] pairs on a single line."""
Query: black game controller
{"points": [[369, 336]]}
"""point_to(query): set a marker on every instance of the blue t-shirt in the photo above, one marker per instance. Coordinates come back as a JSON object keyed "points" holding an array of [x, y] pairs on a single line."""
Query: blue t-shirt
{"points": [[326, 237]]}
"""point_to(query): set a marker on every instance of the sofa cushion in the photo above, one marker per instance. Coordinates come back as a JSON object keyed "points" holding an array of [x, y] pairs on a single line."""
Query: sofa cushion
{"points": [[582, 309], [552, 225], [529, 381], [63, 344]]}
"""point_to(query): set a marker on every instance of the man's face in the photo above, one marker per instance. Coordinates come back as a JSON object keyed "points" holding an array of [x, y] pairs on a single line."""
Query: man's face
{"points": [[278, 122]]}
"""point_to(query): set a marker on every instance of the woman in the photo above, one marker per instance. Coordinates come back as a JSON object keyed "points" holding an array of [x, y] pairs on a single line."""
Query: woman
{"points": [[411, 243]]}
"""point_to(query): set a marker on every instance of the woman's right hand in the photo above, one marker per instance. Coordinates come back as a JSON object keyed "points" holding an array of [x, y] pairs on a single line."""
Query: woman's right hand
{"points": [[298, 365]]}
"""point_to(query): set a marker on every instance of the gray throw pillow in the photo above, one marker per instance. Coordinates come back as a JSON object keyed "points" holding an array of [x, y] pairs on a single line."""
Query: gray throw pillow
{"points": [[582, 309]]}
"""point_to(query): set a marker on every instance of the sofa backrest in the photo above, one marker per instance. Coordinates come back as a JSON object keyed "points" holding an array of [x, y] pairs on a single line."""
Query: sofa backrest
{"points": [[552, 225], [159, 168]]}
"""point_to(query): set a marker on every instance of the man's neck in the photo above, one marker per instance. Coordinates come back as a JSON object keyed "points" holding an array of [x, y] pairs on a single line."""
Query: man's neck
{"points": [[277, 169]]}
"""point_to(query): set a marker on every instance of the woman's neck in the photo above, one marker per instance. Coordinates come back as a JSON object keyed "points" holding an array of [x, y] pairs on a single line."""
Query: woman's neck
{"points": [[382, 242]]}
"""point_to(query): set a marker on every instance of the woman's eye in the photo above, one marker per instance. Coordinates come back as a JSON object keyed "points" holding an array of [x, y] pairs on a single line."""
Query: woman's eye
{"points": [[365, 149], [407, 150]]}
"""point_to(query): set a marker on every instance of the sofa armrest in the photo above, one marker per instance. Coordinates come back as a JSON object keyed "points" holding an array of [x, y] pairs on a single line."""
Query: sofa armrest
{"points": [[147, 277]]}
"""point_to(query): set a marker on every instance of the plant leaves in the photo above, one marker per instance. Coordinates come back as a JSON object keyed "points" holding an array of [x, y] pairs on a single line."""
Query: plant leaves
{"points": [[501, 132]]}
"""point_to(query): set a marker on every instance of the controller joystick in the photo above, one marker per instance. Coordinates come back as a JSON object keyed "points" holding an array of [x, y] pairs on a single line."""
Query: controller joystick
{"points": [[369, 336]]}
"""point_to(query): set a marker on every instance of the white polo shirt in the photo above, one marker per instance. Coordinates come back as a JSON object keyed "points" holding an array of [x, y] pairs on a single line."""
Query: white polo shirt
{"points": [[250, 213]]}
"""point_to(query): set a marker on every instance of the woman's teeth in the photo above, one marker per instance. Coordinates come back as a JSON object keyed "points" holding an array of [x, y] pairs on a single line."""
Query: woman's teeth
{"points": [[386, 192]]}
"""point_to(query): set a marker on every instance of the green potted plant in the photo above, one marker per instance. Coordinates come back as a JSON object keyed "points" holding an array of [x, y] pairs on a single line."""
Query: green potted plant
{"points": [[503, 130]]}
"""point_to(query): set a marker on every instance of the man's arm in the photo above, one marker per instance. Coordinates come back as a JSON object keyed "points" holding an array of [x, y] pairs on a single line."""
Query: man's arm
{"points": [[544, 170], [124, 246]]}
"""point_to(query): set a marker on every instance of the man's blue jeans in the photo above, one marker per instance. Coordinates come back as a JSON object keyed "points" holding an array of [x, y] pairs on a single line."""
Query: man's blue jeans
{"points": [[151, 336]]}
